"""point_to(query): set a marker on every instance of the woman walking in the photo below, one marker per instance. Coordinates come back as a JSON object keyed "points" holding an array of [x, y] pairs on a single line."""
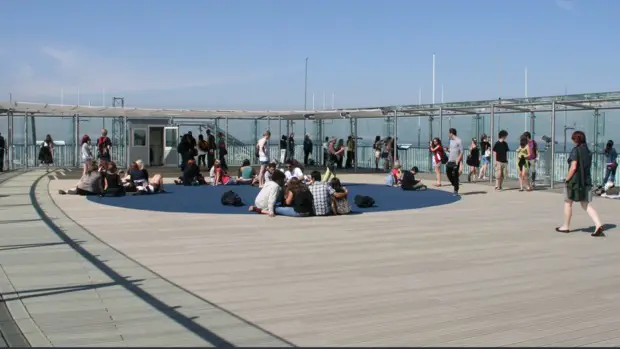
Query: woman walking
{"points": [[523, 164], [579, 185], [485, 148], [473, 160], [46, 153], [437, 150]]}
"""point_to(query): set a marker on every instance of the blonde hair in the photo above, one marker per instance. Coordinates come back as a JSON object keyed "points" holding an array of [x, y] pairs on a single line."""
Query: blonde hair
{"points": [[396, 165], [140, 164]]}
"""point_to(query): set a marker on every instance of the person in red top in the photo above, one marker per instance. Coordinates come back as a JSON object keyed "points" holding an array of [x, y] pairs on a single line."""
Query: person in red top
{"points": [[104, 144], [438, 153]]}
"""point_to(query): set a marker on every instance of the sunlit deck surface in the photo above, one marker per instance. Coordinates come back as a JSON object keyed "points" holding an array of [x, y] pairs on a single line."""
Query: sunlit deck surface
{"points": [[487, 270]]}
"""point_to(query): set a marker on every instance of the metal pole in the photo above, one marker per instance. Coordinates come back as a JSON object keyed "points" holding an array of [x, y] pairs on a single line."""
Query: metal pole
{"points": [[226, 139], [355, 145], [552, 174], [440, 122], [395, 150], [492, 135], [430, 135], [306, 94], [76, 140], [126, 142], [26, 157], [279, 127], [10, 139]]}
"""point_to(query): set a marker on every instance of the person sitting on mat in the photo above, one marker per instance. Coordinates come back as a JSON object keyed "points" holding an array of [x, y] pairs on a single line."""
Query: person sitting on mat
{"points": [[292, 171], [191, 175], [340, 205], [297, 200], [271, 168], [408, 181], [154, 185], [247, 174], [89, 184], [221, 176], [322, 194], [136, 175], [395, 175], [265, 202], [112, 184]]}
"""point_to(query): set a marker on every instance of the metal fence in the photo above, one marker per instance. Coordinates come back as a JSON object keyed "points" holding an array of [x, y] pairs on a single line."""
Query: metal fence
{"points": [[65, 156]]}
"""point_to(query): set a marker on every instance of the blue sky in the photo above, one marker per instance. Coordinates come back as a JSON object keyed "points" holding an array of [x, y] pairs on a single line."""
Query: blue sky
{"points": [[250, 54]]}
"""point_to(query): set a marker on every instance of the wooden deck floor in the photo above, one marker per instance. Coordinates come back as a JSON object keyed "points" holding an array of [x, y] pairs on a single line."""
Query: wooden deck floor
{"points": [[488, 270]]}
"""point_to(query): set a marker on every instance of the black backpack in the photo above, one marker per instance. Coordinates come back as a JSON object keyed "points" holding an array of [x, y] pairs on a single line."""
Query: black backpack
{"points": [[363, 201], [230, 198]]}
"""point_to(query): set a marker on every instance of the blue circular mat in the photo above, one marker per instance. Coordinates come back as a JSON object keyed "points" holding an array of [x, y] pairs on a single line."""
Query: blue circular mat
{"points": [[206, 199]]}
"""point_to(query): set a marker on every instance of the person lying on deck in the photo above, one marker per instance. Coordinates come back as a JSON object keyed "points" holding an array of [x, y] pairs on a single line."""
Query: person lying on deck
{"points": [[89, 184], [191, 175], [409, 182], [247, 174], [154, 185], [265, 202]]}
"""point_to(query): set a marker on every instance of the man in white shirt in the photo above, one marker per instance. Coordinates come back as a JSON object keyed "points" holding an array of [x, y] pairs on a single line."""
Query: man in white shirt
{"points": [[292, 171], [265, 202], [262, 150]]}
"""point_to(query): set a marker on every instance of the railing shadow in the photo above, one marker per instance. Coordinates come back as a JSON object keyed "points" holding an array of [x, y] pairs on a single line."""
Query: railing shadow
{"points": [[45, 292], [41, 244]]}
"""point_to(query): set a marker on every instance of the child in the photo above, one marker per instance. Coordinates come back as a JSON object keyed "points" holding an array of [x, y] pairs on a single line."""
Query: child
{"points": [[409, 182], [339, 206]]}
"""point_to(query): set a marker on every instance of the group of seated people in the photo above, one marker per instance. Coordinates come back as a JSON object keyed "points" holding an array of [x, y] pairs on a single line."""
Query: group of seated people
{"points": [[404, 179], [105, 179], [247, 174], [300, 196]]}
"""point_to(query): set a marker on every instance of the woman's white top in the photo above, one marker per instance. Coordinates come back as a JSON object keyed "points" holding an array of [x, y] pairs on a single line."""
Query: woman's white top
{"points": [[87, 152]]}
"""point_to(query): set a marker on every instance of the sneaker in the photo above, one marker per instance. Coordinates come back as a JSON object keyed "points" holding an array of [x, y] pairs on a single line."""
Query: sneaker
{"points": [[456, 193]]}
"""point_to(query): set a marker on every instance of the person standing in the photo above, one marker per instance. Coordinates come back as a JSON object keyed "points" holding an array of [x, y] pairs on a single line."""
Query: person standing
{"points": [[485, 151], [291, 147], [283, 146], [262, 150], [579, 185], [500, 149], [104, 144], [222, 150], [455, 158], [533, 147], [307, 148], [46, 153], [611, 163], [325, 151], [350, 152], [2, 152], [211, 146]]}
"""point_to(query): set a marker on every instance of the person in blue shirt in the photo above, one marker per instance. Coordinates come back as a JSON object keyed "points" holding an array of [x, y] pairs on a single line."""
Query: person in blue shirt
{"points": [[611, 162]]}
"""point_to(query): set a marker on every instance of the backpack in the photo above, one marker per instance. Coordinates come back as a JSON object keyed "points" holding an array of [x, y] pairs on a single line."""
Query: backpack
{"points": [[389, 180], [444, 158], [230, 198], [363, 201]]}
